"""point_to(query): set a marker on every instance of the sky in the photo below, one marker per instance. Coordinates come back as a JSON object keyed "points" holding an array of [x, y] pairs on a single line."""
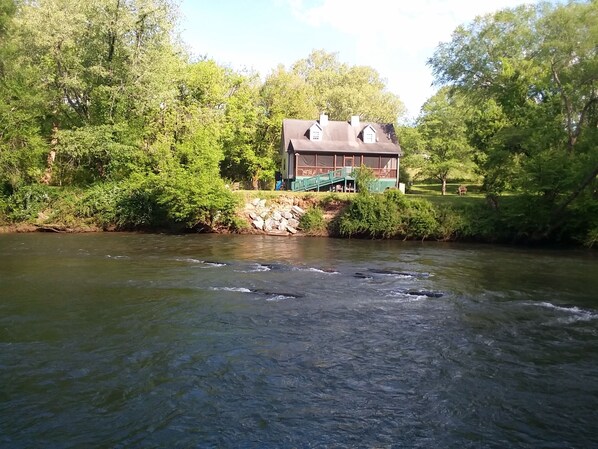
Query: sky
{"points": [[395, 37]]}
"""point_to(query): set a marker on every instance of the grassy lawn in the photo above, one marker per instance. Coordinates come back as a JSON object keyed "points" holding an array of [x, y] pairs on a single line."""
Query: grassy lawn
{"points": [[430, 192], [433, 193]]}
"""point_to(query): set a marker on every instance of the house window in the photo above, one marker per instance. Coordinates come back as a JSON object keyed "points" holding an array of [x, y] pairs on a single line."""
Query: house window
{"points": [[369, 136], [315, 132], [307, 160]]}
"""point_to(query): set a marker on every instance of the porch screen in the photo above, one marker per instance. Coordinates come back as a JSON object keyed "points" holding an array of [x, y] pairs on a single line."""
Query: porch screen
{"points": [[306, 160], [389, 163], [371, 161], [325, 160]]}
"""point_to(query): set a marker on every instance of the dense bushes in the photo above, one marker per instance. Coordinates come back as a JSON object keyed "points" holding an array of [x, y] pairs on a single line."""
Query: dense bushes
{"points": [[391, 215], [25, 203], [375, 216], [313, 222], [394, 215], [176, 200]]}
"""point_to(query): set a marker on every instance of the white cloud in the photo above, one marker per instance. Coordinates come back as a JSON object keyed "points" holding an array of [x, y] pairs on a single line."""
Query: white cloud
{"points": [[395, 37]]}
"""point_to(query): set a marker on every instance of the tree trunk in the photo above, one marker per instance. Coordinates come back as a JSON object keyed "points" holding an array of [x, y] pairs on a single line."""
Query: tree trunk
{"points": [[443, 186], [47, 176]]}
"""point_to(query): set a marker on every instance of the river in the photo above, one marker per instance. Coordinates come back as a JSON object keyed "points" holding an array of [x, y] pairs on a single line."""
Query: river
{"points": [[218, 341]]}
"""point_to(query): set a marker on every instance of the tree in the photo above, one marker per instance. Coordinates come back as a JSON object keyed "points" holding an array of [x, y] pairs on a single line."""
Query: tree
{"points": [[283, 94], [537, 67], [21, 108], [413, 147], [94, 65], [7, 11], [342, 91], [446, 149]]}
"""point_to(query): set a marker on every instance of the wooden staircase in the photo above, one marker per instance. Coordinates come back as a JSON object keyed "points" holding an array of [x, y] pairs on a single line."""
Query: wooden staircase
{"points": [[340, 175]]}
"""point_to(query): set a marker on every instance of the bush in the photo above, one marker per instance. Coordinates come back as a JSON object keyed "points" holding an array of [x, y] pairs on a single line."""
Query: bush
{"points": [[364, 179], [99, 203], [313, 221], [196, 201], [419, 219], [370, 216], [450, 223], [25, 203], [389, 215]]}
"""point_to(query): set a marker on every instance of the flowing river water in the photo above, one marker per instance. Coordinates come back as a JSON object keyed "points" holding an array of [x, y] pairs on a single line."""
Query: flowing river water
{"points": [[212, 341]]}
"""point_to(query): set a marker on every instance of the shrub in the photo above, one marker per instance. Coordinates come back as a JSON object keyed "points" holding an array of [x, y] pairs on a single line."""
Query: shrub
{"points": [[364, 179], [26, 202], [369, 216], [450, 223], [195, 201], [99, 203], [313, 221], [419, 219]]}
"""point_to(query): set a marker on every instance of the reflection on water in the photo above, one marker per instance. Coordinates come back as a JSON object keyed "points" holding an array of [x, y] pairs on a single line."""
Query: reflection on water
{"points": [[124, 340]]}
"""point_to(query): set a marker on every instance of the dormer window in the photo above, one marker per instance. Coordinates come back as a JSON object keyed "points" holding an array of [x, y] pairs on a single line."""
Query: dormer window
{"points": [[369, 134], [315, 132]]}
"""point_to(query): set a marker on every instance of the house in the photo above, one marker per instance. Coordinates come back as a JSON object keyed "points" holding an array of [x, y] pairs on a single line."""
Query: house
{"points": [[321, 154]]}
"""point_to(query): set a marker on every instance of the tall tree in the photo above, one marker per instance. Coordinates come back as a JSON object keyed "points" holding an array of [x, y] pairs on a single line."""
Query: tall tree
{"points": [[97, 64], [538, 66], [283, 94], [21, 108], [342, 90], [446, 150]]}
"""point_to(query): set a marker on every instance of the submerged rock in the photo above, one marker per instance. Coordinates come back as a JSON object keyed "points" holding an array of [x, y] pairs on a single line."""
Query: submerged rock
{"points": [[428, 293], [271, 293], [398, 273], [363, 276]]}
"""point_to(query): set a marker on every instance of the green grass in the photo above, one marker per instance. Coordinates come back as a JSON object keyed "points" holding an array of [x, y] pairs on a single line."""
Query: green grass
{"points": [[433, 193], [451, 189]]}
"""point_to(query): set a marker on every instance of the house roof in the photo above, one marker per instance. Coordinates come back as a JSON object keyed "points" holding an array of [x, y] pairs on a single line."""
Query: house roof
{"points": [[339, 137]]}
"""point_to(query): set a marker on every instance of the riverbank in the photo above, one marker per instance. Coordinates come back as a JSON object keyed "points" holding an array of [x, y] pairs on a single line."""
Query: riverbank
{"points": [[391, 215], [269, 214]]}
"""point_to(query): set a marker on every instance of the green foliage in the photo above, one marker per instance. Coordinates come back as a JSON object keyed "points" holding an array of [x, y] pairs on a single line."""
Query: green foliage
{"points": [[529, 77], [195, 201], [419, 220], [313, 222], [92, 153], [592, 238], [25, 203], [369, 216], [394, 215], [364, 179], [342, 90], [444, 152], [176, 200], [99, 203]]}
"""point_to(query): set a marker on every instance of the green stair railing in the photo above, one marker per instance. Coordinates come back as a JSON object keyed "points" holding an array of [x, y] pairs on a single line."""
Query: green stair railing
{"points": [[323, 180]]}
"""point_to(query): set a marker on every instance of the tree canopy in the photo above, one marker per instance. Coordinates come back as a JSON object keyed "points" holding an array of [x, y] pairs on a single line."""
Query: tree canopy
{"points": [[530, 77]]}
